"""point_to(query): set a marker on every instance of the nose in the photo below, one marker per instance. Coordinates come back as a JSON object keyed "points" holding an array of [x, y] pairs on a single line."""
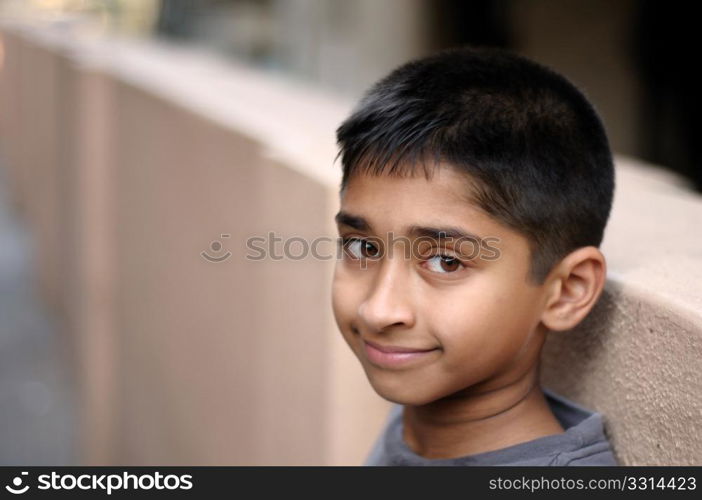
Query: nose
{"points": [[389, 301]]}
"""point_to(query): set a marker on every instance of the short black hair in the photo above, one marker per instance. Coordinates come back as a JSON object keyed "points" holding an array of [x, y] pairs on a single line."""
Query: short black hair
{"points": [[534, 149]]}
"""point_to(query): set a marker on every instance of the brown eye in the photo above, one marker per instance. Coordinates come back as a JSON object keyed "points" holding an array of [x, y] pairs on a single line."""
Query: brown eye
{"points": [[450, 264], [359, 249], [444, 264], [369, 250]]}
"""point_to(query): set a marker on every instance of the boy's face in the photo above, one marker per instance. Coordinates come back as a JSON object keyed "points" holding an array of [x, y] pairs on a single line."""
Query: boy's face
{"points": [[425, 326]]}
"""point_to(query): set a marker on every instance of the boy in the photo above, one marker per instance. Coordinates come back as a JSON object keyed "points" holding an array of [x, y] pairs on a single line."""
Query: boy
{"points": [[476, 188]]}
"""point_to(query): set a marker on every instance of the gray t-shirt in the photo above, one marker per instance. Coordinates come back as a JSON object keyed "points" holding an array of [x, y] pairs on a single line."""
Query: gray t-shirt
{"points": [[583, 443]]}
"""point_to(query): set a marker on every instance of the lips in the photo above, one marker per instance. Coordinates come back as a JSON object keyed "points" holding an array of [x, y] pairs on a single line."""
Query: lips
{"points": [[395, 356]]}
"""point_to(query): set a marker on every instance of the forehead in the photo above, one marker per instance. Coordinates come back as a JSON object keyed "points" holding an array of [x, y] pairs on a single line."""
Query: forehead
{"points": [[391, 199]]}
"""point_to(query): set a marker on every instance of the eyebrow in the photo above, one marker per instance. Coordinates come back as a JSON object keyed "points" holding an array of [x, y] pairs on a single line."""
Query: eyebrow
{"points": [[354, 221], [361, 224]]}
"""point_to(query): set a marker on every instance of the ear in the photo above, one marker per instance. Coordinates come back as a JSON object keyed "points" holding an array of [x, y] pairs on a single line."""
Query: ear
{"points": [[574, 286]]}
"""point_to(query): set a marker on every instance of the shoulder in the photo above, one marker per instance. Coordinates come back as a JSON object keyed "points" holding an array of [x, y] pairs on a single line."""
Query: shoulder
{"points": [[588, 443], [596, 454]]}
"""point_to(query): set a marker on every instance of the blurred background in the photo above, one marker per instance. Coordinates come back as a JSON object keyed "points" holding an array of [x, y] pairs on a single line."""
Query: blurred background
{"points": [[143, 141]]}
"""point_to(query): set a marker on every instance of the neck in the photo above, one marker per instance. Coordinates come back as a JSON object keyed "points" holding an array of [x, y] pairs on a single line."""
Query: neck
{"points": [[480, 420]]}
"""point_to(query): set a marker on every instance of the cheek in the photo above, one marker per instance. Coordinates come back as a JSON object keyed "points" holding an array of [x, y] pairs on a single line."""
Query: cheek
{"points": [[337, 295], [483, 323], [346, 295]]}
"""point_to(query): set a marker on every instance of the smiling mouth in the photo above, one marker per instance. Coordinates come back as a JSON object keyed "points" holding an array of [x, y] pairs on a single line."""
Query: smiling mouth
{"points": [[395, 356]]}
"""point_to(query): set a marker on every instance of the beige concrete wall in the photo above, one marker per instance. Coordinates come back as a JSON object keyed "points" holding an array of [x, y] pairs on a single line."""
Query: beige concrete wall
{"points": [[130, 159], [36, 150], [87, 278]]}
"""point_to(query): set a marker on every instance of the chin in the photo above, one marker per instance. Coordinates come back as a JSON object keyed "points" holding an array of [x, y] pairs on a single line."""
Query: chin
{"points": [[401, 394]]}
